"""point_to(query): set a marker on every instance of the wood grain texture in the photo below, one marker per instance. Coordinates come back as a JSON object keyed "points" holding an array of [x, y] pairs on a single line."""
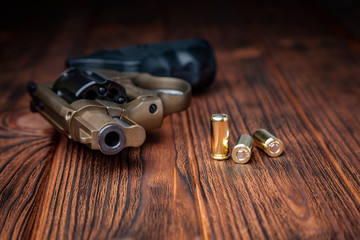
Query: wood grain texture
{"points": [[280, 67], [112, 197]]}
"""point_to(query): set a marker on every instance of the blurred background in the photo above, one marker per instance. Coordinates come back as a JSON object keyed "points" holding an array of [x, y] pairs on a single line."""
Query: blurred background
{"points": [[73, 28], [40, 15]]}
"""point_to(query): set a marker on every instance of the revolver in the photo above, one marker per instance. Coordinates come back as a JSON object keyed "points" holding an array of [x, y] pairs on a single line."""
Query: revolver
{"points": [[108, 110]]}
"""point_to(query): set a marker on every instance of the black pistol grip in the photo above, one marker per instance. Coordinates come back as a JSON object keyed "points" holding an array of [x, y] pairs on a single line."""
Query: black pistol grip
{"points": [[191, 59]]}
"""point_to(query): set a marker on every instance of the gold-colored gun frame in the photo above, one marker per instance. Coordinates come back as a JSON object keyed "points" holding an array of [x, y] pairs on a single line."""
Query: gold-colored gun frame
{"points": [[110, 126]]}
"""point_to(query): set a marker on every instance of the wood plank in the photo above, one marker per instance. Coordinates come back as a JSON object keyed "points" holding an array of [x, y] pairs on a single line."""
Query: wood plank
{"points": [[279, 69], [334, 93], [302, 191], [26, 149], [141, 193], [27, 141]]}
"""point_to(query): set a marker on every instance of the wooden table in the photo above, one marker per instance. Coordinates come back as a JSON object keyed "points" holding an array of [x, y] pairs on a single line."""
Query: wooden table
{"points": [[292, 69]]}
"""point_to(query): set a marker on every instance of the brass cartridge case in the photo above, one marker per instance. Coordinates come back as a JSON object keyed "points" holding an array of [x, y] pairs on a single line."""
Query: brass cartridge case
{"points": [[220, 136], [241, 153], [271, 145]]}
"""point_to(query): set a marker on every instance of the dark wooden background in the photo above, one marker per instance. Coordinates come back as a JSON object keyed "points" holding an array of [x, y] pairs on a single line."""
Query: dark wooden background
{"points": [[293, 69]]}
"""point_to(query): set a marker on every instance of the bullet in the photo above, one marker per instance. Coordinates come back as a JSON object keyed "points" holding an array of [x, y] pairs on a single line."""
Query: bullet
{"points": [[267, 142], [241, 153], [220, 136]]}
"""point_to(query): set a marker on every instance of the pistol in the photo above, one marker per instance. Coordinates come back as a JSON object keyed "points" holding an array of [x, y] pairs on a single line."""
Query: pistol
{"points": [[108, 110]]}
